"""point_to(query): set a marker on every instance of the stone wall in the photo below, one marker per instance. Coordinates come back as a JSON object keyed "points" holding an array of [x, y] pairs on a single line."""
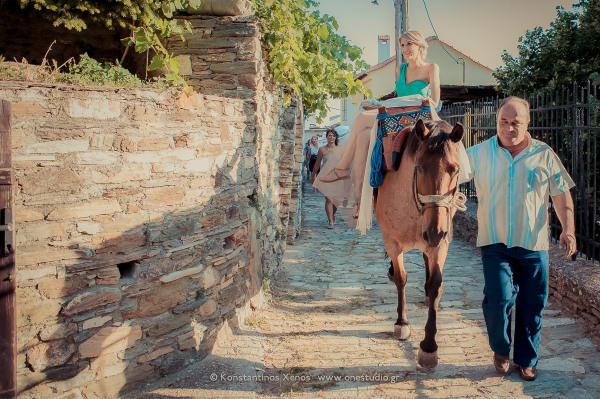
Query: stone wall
{"points": [[220, 57], [574, 284], [144, 224]]}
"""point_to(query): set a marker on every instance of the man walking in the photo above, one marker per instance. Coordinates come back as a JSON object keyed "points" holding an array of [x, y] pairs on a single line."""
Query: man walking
{"points": [[515, 176]]}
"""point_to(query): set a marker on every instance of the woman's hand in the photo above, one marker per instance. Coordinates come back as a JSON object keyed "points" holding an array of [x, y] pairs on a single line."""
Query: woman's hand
{"points": [[429, 102]]}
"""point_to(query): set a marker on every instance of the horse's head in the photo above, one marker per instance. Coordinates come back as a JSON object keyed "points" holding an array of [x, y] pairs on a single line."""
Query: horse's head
{"points": [[434, 147]]}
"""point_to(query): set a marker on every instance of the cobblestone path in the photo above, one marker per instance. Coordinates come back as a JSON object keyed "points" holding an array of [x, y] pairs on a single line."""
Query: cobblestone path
{"points": [[326, 331]]}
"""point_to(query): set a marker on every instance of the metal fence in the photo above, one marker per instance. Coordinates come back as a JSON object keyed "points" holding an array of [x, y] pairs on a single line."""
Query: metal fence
{"points": [[568, 120]]}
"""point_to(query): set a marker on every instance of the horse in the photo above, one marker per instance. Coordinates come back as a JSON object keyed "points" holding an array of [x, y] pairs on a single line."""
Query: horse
{"points": [[414, 208]]}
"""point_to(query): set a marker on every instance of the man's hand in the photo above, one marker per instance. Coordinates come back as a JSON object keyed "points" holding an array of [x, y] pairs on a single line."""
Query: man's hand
{"points": [[563, 205], [568, 241]]}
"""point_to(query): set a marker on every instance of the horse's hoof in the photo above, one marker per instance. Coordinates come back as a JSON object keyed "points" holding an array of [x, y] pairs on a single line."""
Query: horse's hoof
{"points": [[427, 360], [402, 332]]}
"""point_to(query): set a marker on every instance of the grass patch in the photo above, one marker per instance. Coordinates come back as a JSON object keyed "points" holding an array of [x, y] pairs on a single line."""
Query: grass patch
{"points": [[86, 71], [285, 298], [266, 284], [256, 322], [356, 303]]}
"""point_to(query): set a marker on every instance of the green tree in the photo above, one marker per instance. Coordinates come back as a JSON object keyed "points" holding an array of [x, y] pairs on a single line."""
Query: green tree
{"points": [[568, 51], [306, 55], [148, 21]]}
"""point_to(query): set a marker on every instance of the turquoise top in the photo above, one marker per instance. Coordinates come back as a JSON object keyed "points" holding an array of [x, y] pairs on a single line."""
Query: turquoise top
{"points": [[414, 87]]}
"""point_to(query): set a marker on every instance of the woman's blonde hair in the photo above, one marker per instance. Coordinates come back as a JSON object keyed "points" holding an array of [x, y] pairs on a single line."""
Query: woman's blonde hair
{"points": [[417, 38]]}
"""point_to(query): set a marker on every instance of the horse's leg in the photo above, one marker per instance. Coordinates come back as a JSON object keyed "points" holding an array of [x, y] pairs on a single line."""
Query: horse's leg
{"points": [[434, 287], [427, 273], [426, 277], [402, 327]]}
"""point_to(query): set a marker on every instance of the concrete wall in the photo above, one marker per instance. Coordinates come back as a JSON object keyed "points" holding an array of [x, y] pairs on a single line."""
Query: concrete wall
{"points": [[451, 72], [144, 223]]}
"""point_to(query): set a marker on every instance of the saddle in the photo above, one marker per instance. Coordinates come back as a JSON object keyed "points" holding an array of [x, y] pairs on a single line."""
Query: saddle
{"points": [[395, 128]]}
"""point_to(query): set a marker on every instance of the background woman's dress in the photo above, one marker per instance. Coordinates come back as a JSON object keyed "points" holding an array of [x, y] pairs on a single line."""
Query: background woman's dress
{"points": [[338, 191]]}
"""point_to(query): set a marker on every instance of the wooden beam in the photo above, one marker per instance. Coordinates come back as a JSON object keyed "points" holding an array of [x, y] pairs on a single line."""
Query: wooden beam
{"points": [[8, 281]]}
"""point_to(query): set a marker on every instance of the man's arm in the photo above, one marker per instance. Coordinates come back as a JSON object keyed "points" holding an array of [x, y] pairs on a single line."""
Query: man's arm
{"points": [[565, 210]]}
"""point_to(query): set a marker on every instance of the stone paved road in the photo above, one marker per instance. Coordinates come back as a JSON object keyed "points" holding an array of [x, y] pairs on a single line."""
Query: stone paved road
{"points": [[326, 331]]}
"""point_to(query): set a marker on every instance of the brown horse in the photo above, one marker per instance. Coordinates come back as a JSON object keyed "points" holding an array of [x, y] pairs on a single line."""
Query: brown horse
{"points": [[414, 209]]}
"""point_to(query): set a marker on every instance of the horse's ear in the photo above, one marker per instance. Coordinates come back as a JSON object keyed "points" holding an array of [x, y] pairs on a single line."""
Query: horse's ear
{"points": [[421, 130], [457, 133]]}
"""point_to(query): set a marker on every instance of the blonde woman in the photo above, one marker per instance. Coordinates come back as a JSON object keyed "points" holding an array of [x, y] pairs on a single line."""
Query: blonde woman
{"points": [[415, 77]]}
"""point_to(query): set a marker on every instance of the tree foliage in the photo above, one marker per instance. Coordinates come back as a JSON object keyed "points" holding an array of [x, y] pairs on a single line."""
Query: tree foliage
{"points": [[568, 51], [148, 21], [306, 55]]}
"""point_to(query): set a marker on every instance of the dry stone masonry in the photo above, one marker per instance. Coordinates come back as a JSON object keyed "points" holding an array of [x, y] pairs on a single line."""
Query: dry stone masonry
{"points": [[145, 219]]}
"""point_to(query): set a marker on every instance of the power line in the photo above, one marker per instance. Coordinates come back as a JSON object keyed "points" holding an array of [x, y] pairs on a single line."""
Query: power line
{"points": [[436, 34]]}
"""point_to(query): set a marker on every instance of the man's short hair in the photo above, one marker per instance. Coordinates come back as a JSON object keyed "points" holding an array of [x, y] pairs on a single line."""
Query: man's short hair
{"points": [[512, 100]]}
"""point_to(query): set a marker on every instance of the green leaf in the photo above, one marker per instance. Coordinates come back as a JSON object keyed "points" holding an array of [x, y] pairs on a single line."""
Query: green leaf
{"points": [[195, 4], [141, 40], [127, 41], [158, 62], [174, 65]]}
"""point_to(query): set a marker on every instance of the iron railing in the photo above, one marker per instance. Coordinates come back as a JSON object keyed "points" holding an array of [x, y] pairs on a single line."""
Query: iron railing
{"points": [[568, 120]]}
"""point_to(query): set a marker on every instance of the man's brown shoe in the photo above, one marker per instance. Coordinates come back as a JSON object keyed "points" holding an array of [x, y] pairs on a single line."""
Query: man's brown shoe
{"points": [[501, 362], [528, 373]]}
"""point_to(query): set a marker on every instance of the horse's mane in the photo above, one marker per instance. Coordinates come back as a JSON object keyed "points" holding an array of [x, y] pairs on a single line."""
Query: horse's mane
{"points": [[438, 140]]}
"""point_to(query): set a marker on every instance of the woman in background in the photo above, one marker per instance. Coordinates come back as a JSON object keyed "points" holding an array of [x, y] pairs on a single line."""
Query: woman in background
{"points": [[306, 159], [323, 156]]}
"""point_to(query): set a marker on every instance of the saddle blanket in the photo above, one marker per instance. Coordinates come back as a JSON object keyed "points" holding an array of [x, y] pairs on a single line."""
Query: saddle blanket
{"points": [[396, 127]]}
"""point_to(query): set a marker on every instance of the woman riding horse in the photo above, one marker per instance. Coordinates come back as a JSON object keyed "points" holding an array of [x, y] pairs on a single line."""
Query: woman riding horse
{"points": [[415, 77]]}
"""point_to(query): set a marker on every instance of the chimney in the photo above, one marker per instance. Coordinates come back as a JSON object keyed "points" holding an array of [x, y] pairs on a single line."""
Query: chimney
{"points": [[383, 49]]}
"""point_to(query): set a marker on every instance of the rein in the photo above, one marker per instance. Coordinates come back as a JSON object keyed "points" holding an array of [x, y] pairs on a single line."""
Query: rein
{"points": [[455, 200]]}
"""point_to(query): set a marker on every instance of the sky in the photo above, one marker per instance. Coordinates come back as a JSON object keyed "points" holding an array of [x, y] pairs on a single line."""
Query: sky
{"points": [[482, 29]]}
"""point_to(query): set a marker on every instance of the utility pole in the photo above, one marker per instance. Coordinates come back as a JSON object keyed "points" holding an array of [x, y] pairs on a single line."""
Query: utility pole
{"points": [[401, 26], [464, 82]]}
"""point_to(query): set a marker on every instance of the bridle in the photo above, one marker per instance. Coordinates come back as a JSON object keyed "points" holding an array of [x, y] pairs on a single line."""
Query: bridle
{"points": [[455, 200]]}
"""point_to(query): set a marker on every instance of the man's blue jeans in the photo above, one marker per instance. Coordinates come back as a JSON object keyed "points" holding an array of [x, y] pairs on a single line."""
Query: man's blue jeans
{"points": [[514, 276]]}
